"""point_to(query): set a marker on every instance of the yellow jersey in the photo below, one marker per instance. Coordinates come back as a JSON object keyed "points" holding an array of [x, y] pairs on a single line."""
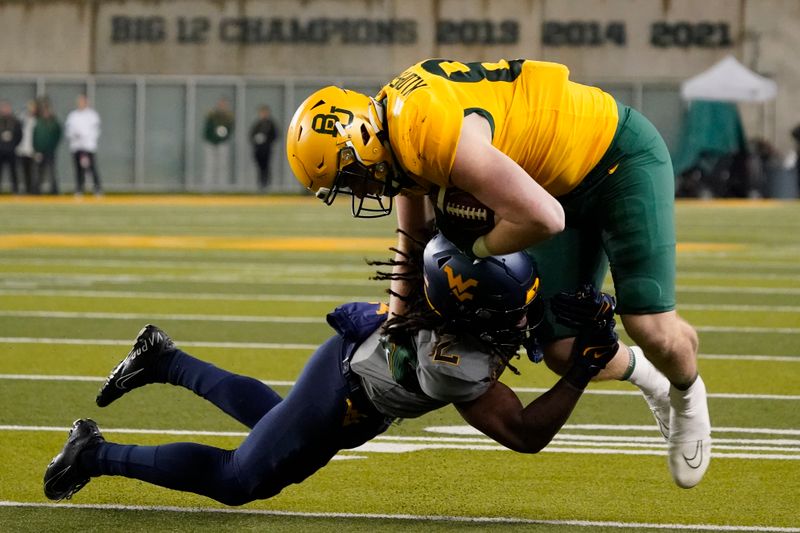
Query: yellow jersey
{"points": [[555, 129]]}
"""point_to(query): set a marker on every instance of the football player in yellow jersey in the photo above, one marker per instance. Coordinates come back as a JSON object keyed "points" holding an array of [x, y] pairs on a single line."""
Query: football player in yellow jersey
{"points": [[579, 180]]}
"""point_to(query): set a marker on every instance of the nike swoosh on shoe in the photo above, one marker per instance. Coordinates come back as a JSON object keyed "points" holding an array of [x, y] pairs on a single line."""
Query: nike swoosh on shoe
{"points": [[663, 428], [57, 477], [120, 384], [697, 459]]}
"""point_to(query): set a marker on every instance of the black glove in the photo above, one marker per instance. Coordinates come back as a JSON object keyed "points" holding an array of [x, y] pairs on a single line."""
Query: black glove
{"points": [[593, 349], [586, 307]]}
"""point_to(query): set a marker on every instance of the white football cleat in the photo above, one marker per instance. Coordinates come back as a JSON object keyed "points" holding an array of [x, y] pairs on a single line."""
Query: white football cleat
{"points": [[689, 442], [654, 386], [658, 402]]}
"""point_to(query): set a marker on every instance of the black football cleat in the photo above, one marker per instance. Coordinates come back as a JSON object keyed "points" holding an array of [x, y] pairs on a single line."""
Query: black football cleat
{"points": [[64, 476], [139, 367]]}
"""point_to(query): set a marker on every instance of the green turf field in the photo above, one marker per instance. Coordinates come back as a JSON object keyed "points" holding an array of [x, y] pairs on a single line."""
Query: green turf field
{"points": [[245, 283]]}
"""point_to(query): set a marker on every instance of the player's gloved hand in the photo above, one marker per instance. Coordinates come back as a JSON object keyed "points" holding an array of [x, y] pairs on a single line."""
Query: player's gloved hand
{"points": [[592, 350], [583, 308]]}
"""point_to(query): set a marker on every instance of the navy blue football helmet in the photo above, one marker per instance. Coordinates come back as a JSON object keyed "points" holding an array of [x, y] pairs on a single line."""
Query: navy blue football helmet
{"points": [[487, 297]]}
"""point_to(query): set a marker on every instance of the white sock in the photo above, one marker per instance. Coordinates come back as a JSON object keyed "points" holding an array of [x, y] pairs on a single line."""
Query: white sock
{"points": [[645, 375], [690, 405]]}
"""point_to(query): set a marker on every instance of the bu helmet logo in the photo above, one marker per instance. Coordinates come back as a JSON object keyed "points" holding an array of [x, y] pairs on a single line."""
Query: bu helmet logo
{"points": [[458, 286], [326, 124]]}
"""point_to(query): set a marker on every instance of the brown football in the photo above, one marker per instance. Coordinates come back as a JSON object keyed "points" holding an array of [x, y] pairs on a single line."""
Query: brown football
{"points": [[461, 217]]}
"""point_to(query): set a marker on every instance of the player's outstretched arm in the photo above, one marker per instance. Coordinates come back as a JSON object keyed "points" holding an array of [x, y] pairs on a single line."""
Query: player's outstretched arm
{"points": [[525, 212], [499, 414], [414, 217]]}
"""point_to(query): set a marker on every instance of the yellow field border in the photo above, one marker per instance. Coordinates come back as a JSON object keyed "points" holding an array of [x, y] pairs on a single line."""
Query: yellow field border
{"points": [[195, 242], [162, 199], [190, 242]]}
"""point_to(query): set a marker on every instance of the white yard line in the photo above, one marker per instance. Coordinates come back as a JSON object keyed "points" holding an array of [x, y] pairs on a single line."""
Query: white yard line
{"points": [[750, 357], [32, 289], [745, 329], [290, 276], [190, 296], [738, 290], [561, 444], [167, 316], [463, 430], [124, 342], [472, 434], [740, 308], [685, 266], [539, 390], [11, 279], [752, 275], [405, 517], [311, 319], [127, 342], [236, 265], [74, 315]]}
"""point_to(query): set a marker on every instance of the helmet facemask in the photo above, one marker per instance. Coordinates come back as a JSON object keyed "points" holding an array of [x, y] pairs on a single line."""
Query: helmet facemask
{"points": [[505, 327], [371, 187]]}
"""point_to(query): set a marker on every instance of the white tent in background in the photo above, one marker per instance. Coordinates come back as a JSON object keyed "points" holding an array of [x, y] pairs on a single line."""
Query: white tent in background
{"points": [[729, 81]]}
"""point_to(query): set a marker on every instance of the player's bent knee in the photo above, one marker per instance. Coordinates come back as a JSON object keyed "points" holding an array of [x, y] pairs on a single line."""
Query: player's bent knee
{"points": [[235, 500], [690, 334], [664, 335], [240, 494]]}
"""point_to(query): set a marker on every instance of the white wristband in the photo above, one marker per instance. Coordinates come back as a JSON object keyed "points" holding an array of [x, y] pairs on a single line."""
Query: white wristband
{"points": [[479, 248]]}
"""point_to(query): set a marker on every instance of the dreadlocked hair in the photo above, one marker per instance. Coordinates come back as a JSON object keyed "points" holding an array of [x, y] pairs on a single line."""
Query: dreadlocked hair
{"points": [[401, 329]]}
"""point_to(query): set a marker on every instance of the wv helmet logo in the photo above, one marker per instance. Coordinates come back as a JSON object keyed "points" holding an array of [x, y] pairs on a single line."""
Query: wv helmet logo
{"points": [[458, 286], [531, 293], [326, 124]]}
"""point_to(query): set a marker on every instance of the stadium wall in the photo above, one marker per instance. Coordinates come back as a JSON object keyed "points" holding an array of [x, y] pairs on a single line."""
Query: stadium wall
{"points": [[152, 64]]}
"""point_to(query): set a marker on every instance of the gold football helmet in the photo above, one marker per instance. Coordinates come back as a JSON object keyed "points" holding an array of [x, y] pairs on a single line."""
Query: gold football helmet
{"points": [[337, 143]]}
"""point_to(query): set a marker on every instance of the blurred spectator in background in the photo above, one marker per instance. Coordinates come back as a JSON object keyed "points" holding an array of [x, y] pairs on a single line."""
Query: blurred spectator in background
{"points": [[262, 135], [10, 136], [796, 137], [766, 168], [217, 134], [25, 148], [83, 130], [46, 136]]}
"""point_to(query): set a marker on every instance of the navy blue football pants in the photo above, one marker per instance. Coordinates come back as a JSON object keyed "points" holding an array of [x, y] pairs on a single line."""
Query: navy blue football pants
{"points": [[291, 438]]}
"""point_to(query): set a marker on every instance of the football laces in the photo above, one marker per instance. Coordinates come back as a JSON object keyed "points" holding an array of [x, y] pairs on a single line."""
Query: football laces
{"points": [[467, 212]]}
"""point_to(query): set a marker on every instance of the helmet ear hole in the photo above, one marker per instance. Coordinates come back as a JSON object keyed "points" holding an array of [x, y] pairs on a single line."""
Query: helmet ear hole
{"points": [[365, 134]]}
